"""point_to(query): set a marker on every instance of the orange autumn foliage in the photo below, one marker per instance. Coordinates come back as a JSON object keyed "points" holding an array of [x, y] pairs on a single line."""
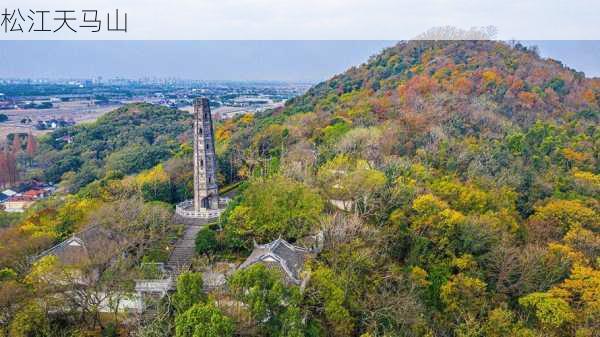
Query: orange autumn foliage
{"points": [[463, 85], [589, 96], [527, 99]]}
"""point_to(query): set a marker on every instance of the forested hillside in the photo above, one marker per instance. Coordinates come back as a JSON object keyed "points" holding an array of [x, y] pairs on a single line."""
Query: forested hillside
{"points": [[472, 171], [456, 183], [124, 141], [479, 110]]}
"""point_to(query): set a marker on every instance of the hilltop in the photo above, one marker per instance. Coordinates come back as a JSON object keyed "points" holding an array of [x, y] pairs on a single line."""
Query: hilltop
{"points": [[481, 110], [518, 86], [469, 175]]}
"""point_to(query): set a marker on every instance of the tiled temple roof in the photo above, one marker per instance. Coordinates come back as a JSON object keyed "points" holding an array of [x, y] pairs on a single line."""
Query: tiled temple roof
{"points": [[289, 257]]}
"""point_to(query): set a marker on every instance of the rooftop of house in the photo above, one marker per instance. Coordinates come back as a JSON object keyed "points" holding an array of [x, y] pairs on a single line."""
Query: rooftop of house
{"points": [[32, 185], [289, 257], [22, 198], [34, 192], [92, 243], [9, 192]]}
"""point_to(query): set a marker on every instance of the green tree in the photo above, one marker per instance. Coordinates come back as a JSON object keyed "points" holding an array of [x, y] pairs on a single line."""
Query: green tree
{"points": [[30, 321], [206, 241], [8, 219], [7, 274], [277, 207], [464, 296], [189, 291], [502, 323], [325, 287], [203, 320], [345, 178], [556, 217], [155, 184], [274, 306], [13, 296], [552, 312]]}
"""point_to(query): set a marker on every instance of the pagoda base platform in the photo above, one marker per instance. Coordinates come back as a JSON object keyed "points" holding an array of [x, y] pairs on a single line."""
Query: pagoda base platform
{"points": [[186, 213]]}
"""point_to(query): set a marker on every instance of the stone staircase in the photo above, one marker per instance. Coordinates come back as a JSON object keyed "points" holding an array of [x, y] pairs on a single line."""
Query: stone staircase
{"points": [[181, 257], [179, 262]]}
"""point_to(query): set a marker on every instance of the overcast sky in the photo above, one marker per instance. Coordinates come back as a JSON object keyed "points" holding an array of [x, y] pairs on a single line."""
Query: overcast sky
{"points": [[260, 20], [327, 19], [224, 60]]}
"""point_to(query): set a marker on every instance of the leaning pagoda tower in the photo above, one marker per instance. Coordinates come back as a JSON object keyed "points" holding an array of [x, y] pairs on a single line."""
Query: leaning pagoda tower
{"points": [[206, 203]]}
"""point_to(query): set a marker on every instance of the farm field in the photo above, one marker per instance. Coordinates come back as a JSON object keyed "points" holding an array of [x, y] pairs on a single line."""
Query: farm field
{"points": [[78, 111]]}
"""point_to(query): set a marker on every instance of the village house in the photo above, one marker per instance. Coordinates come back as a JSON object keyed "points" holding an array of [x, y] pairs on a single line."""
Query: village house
{"points": [[35, 193], [17, 203], [24, 196], [9, 193]]}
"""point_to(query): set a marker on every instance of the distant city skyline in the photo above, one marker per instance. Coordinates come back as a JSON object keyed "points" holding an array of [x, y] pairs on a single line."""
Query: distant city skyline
{"points": [[288, 61]]}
